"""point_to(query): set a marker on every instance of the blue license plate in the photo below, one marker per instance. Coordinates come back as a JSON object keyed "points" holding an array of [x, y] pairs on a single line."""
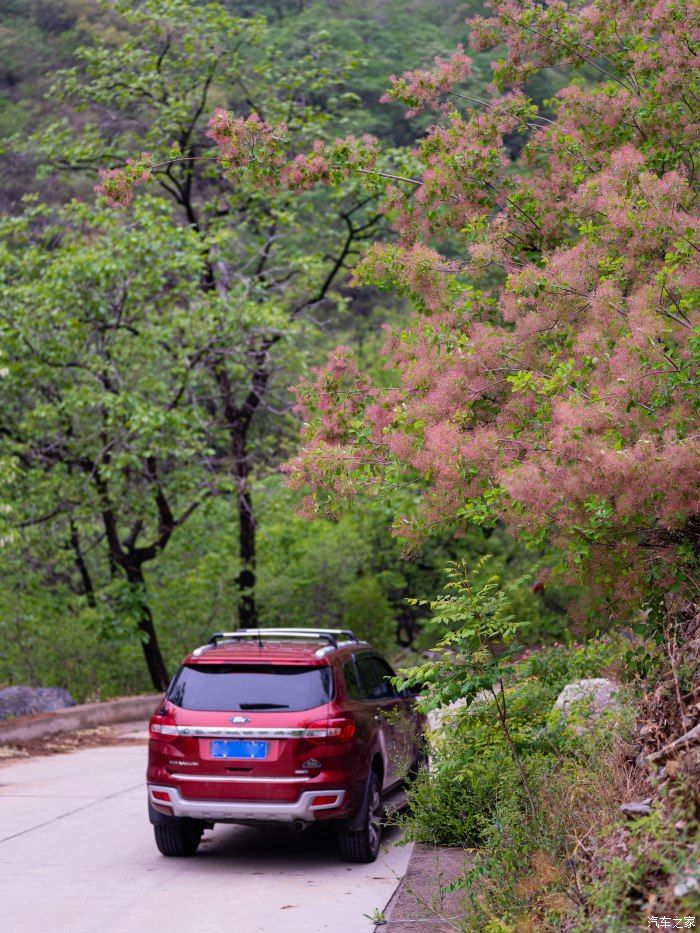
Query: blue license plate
{"points": [[229, 749]]}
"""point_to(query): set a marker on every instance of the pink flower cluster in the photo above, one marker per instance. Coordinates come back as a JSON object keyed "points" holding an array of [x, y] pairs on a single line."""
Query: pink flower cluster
{"points": [[417, 270], [117, 184], [337, 393], [249, 143], [417, 89], [331, 162]]}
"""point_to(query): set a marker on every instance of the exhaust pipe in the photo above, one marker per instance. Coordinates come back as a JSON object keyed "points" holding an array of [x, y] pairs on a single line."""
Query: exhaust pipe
{"points": [[299, 825]]}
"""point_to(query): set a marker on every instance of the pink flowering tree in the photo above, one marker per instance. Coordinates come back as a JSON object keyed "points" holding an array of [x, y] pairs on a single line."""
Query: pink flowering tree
{"points": [[548, 377]]}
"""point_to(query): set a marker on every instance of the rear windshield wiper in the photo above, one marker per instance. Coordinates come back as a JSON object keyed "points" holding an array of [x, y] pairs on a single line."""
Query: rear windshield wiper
{"points": [[252, 706]]}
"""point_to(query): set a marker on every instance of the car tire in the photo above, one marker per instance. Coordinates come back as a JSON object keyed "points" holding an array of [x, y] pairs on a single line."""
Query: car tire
{"points": [[363, 845], [178, 840]]}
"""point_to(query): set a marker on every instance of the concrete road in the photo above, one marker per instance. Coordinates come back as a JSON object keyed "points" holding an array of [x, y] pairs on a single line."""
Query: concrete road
{"points": [[77, 856]]}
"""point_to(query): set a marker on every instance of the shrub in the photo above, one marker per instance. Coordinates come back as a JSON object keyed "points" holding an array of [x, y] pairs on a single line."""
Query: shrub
{"points": [[451, 801], [368, 613], [56, 644], [472, 794]]}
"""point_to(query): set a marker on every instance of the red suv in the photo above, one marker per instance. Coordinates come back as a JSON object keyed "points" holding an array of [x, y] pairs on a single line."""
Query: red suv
{"points": [[270, 726]]}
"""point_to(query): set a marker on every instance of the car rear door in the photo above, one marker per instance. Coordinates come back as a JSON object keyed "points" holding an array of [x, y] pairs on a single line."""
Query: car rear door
{"points": [[407, 722], [388, 709]]}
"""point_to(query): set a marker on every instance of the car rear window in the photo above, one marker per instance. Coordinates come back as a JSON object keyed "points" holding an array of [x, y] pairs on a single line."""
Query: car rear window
{"points": [[243, 687]]}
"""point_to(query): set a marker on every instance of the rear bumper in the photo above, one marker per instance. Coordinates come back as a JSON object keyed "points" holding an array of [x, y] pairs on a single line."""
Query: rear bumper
{"points": [[247, 811]]}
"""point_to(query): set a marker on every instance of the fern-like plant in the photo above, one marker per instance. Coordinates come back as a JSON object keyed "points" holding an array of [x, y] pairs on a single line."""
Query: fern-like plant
{"points": [[476, 648]]}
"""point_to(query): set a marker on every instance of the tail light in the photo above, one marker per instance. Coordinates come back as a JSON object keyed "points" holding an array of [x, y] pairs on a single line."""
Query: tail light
{"points": [[162, 723], [162, 729], [330, 730], [159, 728]]}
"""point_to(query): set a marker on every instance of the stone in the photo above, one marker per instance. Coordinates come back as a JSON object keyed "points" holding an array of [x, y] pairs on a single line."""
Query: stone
{"points": [[636, 809], [599, 692], [25, 701], [685, 886]]}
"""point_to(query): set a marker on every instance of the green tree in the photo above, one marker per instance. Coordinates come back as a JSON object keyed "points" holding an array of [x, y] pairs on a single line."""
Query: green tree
{"points": [[268, 255], [98, 316], [368, 612]]}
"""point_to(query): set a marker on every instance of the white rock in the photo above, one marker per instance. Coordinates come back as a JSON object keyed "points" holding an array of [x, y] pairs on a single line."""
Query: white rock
{"points": [[437, 716], [685, 886], [598, 691]]}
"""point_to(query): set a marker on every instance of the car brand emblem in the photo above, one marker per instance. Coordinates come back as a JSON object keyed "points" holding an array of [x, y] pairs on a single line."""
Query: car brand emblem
{"points": [[311, 763], [239, 719]]}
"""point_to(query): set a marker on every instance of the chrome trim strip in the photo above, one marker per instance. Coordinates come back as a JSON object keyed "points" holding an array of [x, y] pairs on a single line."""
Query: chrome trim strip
{"points": [[231, 732], [221, 778], [246, 811]]}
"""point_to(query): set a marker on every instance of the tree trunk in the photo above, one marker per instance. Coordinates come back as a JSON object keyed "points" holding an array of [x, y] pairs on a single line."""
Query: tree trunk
{"points": [[149, 641], [88, 589], [247, 608]]}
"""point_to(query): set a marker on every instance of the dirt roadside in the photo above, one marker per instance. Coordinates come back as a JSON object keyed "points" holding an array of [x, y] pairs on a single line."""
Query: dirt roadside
{"points": [[421, 902], [123, 733]]}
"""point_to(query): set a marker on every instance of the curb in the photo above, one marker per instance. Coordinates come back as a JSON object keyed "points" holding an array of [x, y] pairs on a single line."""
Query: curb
{"points": [[25, 728]]}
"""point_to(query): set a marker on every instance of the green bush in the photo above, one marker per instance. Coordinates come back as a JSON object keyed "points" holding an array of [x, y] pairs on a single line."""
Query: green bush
{"points": [[451, 800], [368, 613], [56, 643], [530, 871], [558, 665]]}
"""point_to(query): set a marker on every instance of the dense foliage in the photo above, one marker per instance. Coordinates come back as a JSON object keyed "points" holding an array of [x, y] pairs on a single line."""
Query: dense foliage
{"points": [[94, 390], [578, 863]]}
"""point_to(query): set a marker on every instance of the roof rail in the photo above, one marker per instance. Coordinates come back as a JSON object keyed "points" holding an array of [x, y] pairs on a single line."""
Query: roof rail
{"points": [[327, 634]]}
